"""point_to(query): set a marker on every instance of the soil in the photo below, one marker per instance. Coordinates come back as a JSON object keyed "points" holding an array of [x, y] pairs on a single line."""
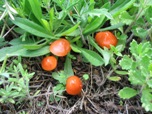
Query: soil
{"points": [[99, 95]]}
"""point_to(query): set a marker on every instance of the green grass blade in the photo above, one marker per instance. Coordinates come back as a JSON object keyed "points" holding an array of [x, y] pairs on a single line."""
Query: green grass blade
{"points": [[32, 27]]}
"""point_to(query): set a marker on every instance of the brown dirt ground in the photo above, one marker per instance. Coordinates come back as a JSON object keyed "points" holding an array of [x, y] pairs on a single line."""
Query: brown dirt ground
{"points": [[99, 95]]}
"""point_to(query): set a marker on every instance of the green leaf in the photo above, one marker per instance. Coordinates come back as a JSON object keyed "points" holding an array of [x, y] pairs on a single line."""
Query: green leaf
{"points": [[68, 67], [112, 27], [94, 58], [36, 8], [34, 46], [144, 64], [35, 53], [60, 76], [126, 62], [69, 31], [121, 5], [19, 50], [136, 78], [139, 50], [146, 99], [105, 53], [32, 27], [51, 22], [114, 78], [75, 48], [85, 76], [150, 67], [94, 25], [148, 14], [117, 50], [2, 42], [127, 93], [126, 18], [5, 75], [149, 82], [99, 12], [58, 89], [121, 72], [11, 100], [46, 25], [72, 4], [140, 32]]}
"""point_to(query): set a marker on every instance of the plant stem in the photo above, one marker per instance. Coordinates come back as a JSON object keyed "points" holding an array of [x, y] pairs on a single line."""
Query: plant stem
{"points": [[83, 39], [3, 29], [136, 18], [3, 65]]}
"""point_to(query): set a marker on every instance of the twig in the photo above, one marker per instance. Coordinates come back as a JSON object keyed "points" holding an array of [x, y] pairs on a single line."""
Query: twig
{"points": [[8, 32], [130, 38], [127, 108], [91, 80], [73, 107]]}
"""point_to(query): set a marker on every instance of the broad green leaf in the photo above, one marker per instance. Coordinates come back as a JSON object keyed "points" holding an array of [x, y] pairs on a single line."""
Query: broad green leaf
{"points": [[124, 17], [58, 89], [36, 8], [148, 14], [35, 46], [126, 62], [32, 27], [94, 58], [68, 67], [127, 93], [35, 53], [94, 25], [105, 53], [99, 12], [114, 78], [136, 78], [19, 50], [121, 5], [144, 64], [60, 76], [146, 99], [75, 48], [140, 32], [112, 27], [140, 49]]}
